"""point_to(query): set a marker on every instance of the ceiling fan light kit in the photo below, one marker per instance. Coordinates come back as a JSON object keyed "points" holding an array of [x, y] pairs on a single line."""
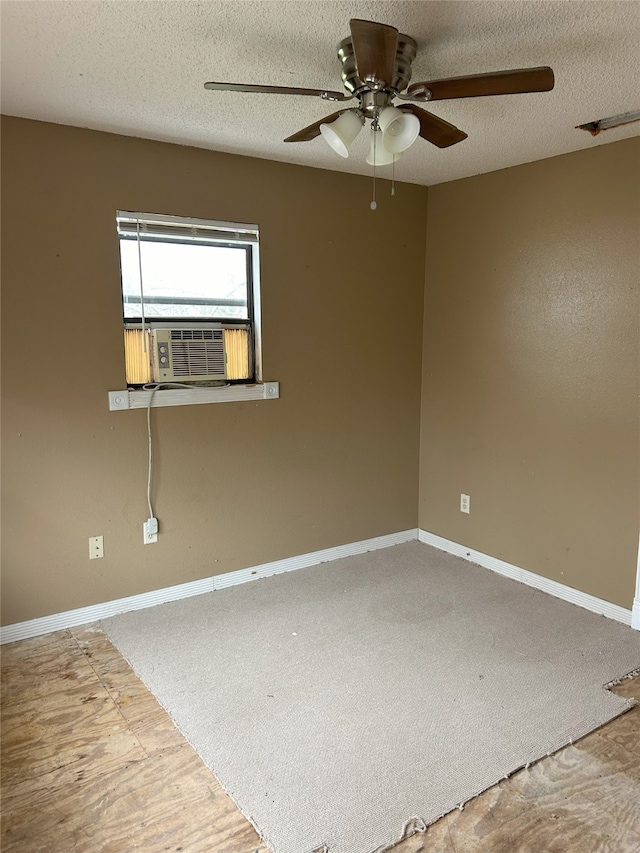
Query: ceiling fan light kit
{"points": [[399, 129], [378, 154], [376, 64], [341, 133]]}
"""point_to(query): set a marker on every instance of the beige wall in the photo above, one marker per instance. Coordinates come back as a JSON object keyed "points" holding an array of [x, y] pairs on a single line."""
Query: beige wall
{"points": [[530, 370], [531, 367], [334, 460]]}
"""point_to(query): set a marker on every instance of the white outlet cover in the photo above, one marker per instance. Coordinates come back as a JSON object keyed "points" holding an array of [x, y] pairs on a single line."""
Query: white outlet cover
{"points": [[465, 503], [96, 547], [148, 538]]}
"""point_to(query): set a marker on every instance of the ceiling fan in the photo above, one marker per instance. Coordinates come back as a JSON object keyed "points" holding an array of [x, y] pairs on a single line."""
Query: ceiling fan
{"points": [[376, 69]]}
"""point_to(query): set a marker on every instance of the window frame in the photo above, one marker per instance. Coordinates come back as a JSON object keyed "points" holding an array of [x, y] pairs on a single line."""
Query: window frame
{"points": [[248, 238]]}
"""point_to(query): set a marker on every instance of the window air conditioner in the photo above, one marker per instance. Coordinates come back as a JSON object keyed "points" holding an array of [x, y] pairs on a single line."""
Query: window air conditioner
{"points": [[188, 354]]}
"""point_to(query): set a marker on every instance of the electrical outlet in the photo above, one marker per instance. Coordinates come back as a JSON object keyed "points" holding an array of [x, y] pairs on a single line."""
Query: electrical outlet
{"points": [[465, 503], [150, 531], [96, 547]]}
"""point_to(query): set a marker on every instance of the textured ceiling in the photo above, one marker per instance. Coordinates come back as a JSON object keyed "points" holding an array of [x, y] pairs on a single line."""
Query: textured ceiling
{"points": [[137, 67]]}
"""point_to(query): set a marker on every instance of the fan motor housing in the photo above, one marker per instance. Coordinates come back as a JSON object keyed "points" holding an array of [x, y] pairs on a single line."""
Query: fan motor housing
{"points": [[405, 54]]}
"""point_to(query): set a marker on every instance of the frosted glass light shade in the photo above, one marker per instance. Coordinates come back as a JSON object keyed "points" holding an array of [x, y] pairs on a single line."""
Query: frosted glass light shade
{"points": [[379, 152], [340, 133], [399, 129]]}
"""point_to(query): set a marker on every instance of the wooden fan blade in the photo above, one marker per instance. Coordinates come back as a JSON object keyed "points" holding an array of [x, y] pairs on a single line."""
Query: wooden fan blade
{"points": [[278, 90], [434, 129], [515, 82], [374, 47], [308, 133]]}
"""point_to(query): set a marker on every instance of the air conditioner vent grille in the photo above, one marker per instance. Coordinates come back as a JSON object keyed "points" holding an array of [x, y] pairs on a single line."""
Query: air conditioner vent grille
{"points": [[193, 358], [196, 334], [188, 354]]}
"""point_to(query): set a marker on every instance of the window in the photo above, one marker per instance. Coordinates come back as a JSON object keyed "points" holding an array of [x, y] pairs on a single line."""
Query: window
{"points": [[190, 299]]}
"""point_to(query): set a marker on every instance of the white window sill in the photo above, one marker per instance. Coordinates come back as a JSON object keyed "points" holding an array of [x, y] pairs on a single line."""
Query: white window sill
{"points": [[127, 399]]}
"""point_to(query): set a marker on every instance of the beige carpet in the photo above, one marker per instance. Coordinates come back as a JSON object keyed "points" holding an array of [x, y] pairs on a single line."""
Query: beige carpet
{"points": [[352, 703]]}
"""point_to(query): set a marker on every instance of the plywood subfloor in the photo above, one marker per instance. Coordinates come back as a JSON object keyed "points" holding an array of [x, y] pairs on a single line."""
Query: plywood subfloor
{"points": [[92, 764]]}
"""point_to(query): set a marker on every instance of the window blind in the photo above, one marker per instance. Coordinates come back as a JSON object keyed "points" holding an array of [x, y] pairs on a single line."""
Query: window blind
{"points": [[198, 230]]}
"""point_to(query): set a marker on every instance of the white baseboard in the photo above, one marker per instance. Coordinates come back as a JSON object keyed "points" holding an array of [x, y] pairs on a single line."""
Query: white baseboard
{"points": [[559, 590], [71, 618], [83, 615]]}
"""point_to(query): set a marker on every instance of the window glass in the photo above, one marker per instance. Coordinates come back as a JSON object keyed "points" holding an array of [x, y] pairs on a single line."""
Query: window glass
{"points": [[184, 280]]}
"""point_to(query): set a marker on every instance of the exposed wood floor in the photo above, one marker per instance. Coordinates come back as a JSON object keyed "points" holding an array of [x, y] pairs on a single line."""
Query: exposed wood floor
{"points": [[92, 764]]}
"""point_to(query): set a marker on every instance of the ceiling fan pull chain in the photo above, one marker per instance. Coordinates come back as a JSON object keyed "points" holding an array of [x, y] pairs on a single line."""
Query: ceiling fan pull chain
{"points": [[393, 175]]}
